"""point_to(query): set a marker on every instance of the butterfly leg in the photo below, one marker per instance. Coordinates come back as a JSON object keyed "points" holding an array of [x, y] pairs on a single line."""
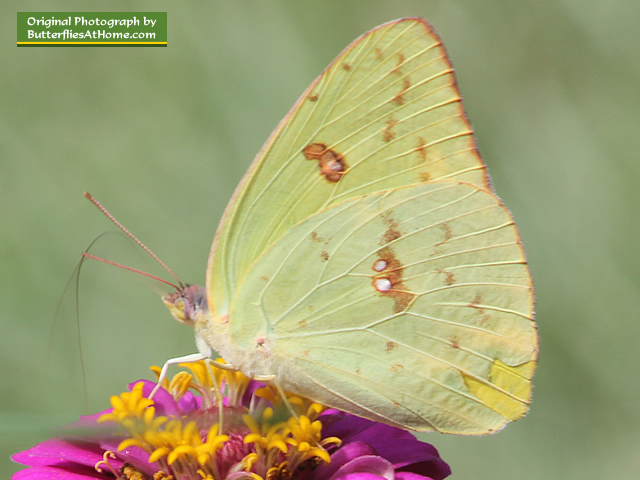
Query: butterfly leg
{"points": [[223, 366], [194, 357], [219, 399]]}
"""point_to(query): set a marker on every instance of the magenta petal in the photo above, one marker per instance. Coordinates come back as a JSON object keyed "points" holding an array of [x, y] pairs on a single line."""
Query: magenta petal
{"points": [[51, 473], [350, 451], [189, 402], [368, 464], [349, 427], [135, 456], [398, 446], [162, 400], [342, 456], [419, 458], [411, 476], [412, 455], [361, 476], [407, 453], [56, 452]]}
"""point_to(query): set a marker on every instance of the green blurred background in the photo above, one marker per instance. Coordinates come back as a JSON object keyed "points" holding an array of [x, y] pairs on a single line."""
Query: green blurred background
{"points": [[163, 135]]}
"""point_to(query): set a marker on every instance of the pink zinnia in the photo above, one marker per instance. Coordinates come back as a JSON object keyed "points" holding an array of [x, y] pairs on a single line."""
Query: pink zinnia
{"points": [[234, 428]]}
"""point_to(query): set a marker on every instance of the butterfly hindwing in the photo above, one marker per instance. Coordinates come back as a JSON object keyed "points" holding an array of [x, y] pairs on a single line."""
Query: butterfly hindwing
{"points": [[411, 306]]}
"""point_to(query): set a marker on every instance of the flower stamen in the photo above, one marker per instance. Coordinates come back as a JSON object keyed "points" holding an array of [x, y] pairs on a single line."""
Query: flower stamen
{"points": [[108, 454]]}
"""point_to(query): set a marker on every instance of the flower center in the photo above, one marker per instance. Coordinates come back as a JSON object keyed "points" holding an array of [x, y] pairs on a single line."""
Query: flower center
{"points": [[230, 429]]}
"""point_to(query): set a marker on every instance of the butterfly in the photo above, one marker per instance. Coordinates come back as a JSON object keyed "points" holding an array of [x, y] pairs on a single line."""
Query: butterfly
{"points": [[364, 260]]}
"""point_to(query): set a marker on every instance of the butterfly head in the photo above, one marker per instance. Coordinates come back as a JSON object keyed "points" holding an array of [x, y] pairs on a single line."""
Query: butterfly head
{"points": [[186, 304]]}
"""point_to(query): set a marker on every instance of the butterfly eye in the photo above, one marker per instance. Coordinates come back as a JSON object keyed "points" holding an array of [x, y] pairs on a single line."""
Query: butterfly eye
{"points": [[189, 307], [180, 305]]}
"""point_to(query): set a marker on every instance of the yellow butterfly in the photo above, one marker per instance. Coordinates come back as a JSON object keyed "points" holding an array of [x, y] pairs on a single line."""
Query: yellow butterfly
{"points": [[365, 262]]}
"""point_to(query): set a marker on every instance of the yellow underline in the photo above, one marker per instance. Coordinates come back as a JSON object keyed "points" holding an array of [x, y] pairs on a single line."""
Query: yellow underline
{"points": [[91, 43]]}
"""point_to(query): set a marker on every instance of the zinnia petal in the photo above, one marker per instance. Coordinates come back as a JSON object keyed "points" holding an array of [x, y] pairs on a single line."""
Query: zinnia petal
{"points": [[365, 465], [343, 455], [401, 448], [51, 473], [57, 452]]}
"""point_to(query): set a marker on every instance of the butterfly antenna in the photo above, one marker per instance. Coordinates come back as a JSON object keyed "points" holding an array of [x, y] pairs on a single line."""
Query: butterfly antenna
{"points": [[131, 269], [75, 277], [89, 197], [79, 339]]}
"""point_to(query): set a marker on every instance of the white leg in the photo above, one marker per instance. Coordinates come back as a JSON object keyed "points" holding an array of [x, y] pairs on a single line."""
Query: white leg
{"points": [[219, 399], [224, 366], [194, 357]]}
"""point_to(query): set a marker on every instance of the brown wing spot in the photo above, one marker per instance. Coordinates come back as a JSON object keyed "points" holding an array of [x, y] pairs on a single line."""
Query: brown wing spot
{"points": [[346, 66], [477, 300], [332, 164], [378, 53], [392, 232], [447, 233], [399, 63], [306, 353], [425, 176], [398, 99], [386, 217], [421, 149], [313, 97], [302, 323], [390, 235], [357, 371], [387, 133], [392, 278], [316, 238], [476, 303], [325, 255], [390, 346], [396, 367], [449, 279], [454, 341], [264, 278]]}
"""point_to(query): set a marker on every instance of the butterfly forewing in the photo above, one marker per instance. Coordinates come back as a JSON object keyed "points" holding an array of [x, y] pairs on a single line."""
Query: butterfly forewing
{"points": [[386, 113]]}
